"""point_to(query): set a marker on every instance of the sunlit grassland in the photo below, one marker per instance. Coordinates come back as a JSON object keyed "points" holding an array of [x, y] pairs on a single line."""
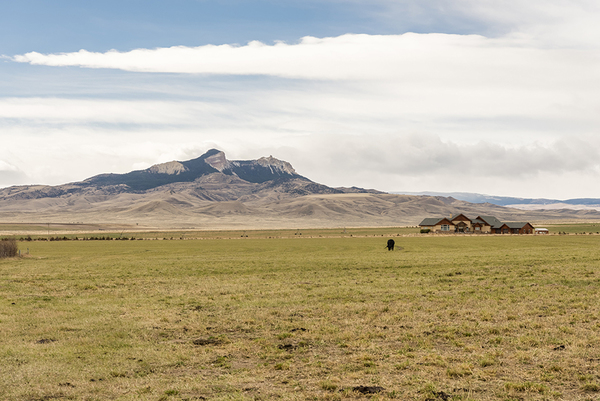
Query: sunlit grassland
{"points": [[574, 228], [465, 318], [73, 231]]}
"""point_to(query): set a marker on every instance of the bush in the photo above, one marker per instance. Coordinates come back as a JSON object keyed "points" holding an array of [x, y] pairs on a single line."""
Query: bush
{"points": [[8, 248], [425, 230]]}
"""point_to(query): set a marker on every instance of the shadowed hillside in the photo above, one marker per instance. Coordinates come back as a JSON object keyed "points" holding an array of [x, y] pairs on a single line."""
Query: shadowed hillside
{"points": [[213, 192]]}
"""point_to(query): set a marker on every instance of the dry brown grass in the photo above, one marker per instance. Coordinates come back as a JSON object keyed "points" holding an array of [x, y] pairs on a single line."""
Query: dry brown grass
{"points": [[447, 318]]}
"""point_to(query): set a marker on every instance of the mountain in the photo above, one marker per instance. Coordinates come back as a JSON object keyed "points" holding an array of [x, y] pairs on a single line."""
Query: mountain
{"points": [[213, 161], [212, 192], [535, 203], [210, 176]]}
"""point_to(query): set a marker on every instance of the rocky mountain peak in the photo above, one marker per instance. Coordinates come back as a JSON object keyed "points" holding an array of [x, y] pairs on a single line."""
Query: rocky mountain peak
{"points": [[171, 168], [218, 161], [277, 164], [212, 162]]}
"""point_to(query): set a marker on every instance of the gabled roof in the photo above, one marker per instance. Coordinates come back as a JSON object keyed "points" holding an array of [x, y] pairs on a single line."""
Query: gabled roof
{"points": [[433, 221], [515, 224], [429, 221], [491, 220], [458, 215]]}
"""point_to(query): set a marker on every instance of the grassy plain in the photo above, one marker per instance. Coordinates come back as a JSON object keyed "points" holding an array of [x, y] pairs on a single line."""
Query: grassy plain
{"points": [[570, 228], [445, 318], [73, 231]]}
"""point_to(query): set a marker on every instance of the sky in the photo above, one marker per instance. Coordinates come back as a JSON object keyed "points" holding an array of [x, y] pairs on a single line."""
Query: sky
{"points": [[494, 97]]}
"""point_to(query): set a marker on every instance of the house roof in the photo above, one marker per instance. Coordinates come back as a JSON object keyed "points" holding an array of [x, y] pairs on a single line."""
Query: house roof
{"points": [[514, 224], [434, 221], [491, 220], [431, 221], [458, 215]]}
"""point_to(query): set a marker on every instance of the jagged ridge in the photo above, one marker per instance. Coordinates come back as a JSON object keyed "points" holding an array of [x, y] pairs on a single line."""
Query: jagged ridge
{"points": [[213, 161], [210, 177]]}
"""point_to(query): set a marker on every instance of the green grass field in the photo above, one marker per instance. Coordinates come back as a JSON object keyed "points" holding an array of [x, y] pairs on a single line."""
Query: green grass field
{"points": [[445, 318], [582, 228]]}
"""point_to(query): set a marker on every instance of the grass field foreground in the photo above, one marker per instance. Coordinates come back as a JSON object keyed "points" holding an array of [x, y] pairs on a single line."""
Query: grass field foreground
{"points": [[444, 318]]}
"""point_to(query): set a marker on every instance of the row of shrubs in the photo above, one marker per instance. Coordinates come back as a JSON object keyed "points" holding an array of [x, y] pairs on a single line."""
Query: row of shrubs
{"points": [[8, 248], [77, 239]]}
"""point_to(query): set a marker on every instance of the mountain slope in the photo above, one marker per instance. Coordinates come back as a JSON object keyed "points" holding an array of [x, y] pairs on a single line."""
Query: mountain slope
{"points": [[211, 170], [164, 209], [509, 201], [213, 161], [213, 192]]}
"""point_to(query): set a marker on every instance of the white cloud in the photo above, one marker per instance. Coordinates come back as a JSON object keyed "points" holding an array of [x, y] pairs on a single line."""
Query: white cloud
{"points": [[7, 167], [421, 154], [409, 129], [442, 58], [10, 174], [563, 168], [551, 23], [560, 169], [344, 57], [548, 23], [422, 77], [513, 113], [332, 149], [106, 111]]}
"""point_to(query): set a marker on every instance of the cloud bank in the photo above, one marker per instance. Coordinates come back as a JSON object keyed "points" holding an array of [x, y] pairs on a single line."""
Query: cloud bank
{"points": [[404, 57], [453, 75], [545, 23], [410, 77], [510, 108], [10, 174], [347, 57]]}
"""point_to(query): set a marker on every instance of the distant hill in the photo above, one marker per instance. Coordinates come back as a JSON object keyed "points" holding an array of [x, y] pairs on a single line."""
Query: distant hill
{"points": [[214, 192], [509, 201]]}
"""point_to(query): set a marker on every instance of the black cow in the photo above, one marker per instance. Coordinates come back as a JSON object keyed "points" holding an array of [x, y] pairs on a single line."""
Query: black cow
{"points": [[390, 245]]}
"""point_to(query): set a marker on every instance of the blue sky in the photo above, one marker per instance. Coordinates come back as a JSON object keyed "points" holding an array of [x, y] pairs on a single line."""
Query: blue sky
{"points": [[64, 26], [493, 97]]}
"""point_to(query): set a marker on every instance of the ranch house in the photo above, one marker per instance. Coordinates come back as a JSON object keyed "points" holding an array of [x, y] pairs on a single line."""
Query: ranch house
{"points": [[479, 225]]}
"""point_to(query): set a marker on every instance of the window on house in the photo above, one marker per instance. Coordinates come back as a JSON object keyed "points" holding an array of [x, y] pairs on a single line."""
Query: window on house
{"points": [[445, 227]]}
